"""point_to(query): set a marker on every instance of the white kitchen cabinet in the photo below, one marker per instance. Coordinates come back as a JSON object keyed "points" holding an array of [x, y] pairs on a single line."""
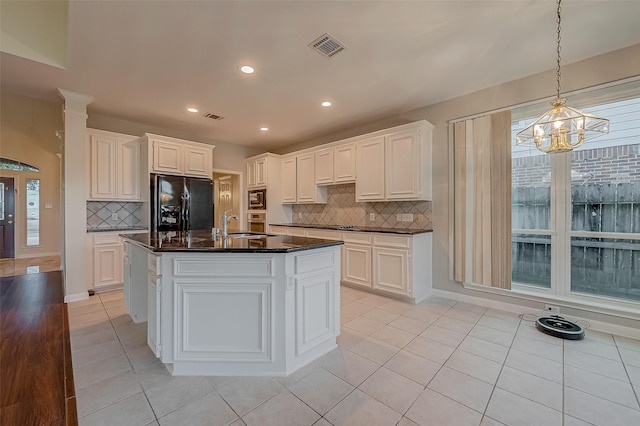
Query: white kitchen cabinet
{"points": [[178, 157], [344, 163], [289, 180], [108, 261], [336, 164], [356, 258], [154, 306], [324, 166], [395, 164], [114, 166], [299, 181], [297, 232], [391, 270], [277, 230], [306, 176], [356, 267], [370, 168], [257, 169]]}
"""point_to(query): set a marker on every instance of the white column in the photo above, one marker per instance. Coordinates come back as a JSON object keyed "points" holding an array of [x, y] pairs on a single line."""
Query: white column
{"points": [[74, 190]]}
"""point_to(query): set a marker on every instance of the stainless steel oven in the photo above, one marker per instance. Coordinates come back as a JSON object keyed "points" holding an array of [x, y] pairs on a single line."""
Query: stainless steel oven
{"points": [[256, 222], [258, 199]]}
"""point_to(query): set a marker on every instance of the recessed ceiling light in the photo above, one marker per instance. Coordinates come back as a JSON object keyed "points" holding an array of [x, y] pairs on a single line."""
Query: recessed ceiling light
{"points": [[247, 69], [264, 129], [326, 104], [192, 109]]}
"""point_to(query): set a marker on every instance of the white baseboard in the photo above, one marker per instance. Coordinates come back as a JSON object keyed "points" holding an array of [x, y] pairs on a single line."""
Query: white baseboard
{"points": [[602, 326], [75, 297]]}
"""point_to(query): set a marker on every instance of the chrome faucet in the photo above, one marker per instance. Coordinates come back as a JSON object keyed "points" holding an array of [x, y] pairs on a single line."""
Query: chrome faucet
{"points": [[225, 221]]}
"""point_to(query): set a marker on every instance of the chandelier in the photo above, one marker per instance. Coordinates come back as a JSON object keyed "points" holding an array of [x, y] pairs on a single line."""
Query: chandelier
{"points": [[562, 128]]}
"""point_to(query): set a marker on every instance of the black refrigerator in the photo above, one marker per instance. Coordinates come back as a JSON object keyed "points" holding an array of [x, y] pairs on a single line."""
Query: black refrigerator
{"points": [[181, 203]]}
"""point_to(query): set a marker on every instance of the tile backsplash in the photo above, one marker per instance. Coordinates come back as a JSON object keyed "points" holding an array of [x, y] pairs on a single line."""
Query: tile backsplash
{"points": [[99, 215], [342, 209]]}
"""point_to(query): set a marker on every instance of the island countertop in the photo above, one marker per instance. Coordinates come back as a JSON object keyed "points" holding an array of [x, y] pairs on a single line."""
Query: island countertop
{"points": [[204, 241]]}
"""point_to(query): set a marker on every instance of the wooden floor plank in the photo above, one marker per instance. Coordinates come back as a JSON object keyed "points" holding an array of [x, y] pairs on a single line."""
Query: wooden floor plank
{"points": [[32, 350]]}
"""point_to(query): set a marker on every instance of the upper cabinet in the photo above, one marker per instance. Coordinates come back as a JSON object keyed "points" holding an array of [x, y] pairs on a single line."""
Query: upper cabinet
{"points": [[257, 169], [179, 157], [395, 165], [299, 180], [336, 164], [114, 166]]}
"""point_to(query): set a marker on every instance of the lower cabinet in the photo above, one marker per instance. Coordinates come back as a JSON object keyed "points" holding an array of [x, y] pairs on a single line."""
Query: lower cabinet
{"points": [[153, 314], [107, 263], [392, 264], [107, 259], [391, 270]]}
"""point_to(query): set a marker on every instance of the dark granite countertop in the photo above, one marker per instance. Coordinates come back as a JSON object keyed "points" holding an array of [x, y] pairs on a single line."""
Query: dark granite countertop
{"points": [[358, 228], [124, 229], [203, 241]]}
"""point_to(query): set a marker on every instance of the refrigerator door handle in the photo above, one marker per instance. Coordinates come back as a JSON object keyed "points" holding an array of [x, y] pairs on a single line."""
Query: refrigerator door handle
{"points": [[184, 212]]}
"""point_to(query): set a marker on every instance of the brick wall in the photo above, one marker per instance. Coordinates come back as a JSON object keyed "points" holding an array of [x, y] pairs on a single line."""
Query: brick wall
{"points": [[617, 164]]}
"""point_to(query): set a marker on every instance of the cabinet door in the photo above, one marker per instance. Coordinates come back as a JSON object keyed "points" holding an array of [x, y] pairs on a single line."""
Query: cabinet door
{"points": [[289, 192], [251, 174], [167, 157], [103, 167], [154, 287], [261, 172], [391, 270], [307, 190], [370, 167], [324, 166], [128, 176], [197, 161], [344, 163], [402, 158], [357, 265], [107, 265]]}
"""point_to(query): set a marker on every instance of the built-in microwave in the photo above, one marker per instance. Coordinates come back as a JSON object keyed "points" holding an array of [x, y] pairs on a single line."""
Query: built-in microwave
{"points": [[258, 199]]}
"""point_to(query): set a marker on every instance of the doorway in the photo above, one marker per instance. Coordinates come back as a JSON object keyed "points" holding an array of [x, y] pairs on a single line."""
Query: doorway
{"points": [[227, 196], [7, 218]]}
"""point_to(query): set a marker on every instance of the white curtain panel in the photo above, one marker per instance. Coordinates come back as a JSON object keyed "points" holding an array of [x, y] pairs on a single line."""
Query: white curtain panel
{"points": [[481, 201]]}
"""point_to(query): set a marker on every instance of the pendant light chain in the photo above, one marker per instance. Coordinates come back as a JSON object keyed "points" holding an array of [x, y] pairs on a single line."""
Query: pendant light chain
{"points": [[558, 50]]}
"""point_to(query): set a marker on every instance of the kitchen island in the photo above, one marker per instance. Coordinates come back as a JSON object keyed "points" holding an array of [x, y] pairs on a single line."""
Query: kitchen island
{"points": [[243, 305]]}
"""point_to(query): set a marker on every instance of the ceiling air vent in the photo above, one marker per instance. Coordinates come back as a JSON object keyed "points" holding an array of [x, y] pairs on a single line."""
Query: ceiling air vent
{"points": [[213, 116], [327, 45]]}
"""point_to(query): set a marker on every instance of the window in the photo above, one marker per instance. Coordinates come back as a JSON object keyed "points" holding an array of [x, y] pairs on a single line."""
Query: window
{"points": [[584, 208], [8, 164], [33, 212]]}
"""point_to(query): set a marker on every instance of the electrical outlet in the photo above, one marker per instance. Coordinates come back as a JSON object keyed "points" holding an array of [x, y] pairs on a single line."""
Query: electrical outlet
{"points": [[420, 217], [299, 215], [399, 217], [407, 217], [114, 216], [372, 217], [552, 308]]}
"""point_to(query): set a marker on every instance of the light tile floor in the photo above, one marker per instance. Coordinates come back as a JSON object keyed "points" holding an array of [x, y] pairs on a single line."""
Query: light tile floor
{"points": [[436, 363]]}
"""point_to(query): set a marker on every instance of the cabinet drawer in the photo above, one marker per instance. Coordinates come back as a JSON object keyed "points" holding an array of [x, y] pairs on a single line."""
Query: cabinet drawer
{"points": [[296, 232], [102, 239], [399, 241], [356, 238], [153, 263], [277, 230], [322, 233], [314, 261]]}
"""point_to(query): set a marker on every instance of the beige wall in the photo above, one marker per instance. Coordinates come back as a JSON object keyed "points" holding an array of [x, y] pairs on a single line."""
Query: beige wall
{"points": [[27, 134], [602, 69]]}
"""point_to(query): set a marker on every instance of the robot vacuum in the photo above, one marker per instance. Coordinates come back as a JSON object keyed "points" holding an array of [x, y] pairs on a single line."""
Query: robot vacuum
{"points": [[559, 327]]}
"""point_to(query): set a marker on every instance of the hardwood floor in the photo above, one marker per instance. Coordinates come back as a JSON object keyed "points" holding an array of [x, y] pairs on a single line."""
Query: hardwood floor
{"points": [[35, 355], [29, 265]]}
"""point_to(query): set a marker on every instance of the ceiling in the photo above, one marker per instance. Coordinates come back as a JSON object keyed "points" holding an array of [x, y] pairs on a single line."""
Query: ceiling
{"points": [[147, 61]]}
